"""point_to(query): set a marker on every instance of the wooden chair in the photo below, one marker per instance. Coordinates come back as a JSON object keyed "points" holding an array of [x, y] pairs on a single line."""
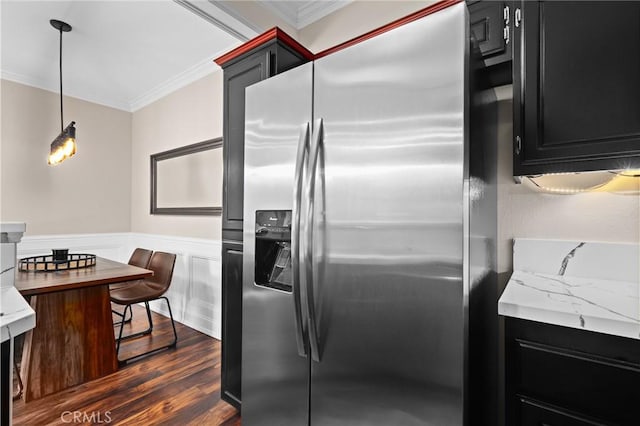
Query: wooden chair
{"points": [[146, 290], [140, 257]]}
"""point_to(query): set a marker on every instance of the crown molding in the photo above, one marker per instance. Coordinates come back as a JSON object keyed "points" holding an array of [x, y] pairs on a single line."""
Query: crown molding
{"points": [[314, 11], [306, 14], [282, 11], [222, 16], [196, 72]]}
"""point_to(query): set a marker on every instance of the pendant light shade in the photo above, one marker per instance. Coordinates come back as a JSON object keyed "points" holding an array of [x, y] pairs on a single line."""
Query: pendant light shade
{"points": [[64, 145]]}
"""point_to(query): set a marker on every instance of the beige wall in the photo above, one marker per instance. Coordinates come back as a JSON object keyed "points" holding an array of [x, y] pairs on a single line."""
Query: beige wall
{"points": [[353, 20], [88, 193], [525, 213], [186, 116]]}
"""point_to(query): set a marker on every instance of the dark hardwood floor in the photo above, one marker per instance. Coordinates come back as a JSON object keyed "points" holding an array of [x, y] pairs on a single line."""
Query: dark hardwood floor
{"points": [[178, 386]]}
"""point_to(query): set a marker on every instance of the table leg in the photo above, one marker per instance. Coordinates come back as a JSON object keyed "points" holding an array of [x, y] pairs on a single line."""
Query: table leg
{"points": [[73, 341]]}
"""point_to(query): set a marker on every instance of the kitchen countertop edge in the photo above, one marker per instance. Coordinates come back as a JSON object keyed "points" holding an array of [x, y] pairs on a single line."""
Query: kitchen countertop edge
{"points": [[17, 316]]}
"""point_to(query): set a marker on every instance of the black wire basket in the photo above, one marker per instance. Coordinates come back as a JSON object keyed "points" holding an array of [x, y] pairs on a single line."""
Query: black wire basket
{"points": [[49, 263]]}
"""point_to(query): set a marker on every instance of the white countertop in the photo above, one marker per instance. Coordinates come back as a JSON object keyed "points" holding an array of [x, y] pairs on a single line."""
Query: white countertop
{"points": [[17, 316], [13, 227], [601, 294], [604, 306]]}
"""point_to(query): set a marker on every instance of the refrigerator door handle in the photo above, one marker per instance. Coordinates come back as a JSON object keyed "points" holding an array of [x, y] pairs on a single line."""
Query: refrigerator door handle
{"points": [[301, 157], [310, 194]]}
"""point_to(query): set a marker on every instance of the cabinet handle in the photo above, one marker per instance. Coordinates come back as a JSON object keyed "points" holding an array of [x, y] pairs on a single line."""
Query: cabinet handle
{"points": [[518, 143], [506, 18], [517, 18]]}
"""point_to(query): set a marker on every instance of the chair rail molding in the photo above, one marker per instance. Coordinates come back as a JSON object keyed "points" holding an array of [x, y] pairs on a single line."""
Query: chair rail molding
{"points": [[196, 289]]}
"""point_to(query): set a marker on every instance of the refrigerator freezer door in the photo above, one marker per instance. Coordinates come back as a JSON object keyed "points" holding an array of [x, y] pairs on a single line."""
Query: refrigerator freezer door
{"points": [[388, 228], [275, 378]]}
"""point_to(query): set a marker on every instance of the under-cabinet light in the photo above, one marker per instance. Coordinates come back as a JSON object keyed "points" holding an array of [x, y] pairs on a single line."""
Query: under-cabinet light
{"points": [[570, 183]]}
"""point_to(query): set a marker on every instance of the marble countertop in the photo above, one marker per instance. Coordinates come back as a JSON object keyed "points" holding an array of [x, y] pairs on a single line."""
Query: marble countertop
{"points": [[605, 306], [17, 316], [584, 285]]}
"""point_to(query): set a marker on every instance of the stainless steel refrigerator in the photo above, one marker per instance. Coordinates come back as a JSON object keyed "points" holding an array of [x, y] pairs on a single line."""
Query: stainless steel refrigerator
{"points": [[359, 252]]}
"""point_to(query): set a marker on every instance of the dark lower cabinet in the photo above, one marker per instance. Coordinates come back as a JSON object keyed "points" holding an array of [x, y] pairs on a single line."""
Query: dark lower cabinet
{"points": [[576, 86], [231, 324], [558, 376], [267, 55]]}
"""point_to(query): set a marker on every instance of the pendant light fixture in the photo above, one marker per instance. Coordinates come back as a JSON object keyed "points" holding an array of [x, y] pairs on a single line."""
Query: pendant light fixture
{"points": [[64, 145]]}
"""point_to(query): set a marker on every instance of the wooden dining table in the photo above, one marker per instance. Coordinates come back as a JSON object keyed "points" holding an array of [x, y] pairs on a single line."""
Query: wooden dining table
{"points": [[73, 341]]}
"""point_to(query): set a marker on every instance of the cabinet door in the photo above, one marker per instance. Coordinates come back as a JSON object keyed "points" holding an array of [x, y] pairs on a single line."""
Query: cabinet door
{"points": [[576, 86], [536, 414], [236, 78], [558, 376], [232, 322], [491, 26]]}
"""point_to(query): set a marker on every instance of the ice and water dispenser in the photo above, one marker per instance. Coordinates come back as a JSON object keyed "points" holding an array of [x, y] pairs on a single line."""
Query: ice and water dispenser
{"points": [[273, 249]]}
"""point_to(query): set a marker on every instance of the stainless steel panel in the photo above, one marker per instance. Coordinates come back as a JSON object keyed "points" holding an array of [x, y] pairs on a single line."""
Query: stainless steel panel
{"points": [[388, 239], [274, 377]]}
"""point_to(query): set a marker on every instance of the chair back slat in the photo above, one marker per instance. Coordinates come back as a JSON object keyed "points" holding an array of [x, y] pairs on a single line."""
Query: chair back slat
{"points": [[140, 257], [162, 264]]}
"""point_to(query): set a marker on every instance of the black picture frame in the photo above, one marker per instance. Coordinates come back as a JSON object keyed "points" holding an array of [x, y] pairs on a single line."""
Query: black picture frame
{"points": [[179, 152]]}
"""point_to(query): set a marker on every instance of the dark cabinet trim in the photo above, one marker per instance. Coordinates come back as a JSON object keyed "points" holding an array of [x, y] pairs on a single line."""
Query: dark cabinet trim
{"points": [[578, 355]]}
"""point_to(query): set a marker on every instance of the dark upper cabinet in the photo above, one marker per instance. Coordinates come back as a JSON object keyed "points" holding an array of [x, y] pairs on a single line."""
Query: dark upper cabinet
{"points": [[259, 63], [490, 23], [268, 54], [569, 377], [576, 86], [491, 26]]}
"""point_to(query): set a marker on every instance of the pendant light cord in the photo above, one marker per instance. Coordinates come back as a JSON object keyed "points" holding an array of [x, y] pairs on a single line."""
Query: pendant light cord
{"points": [[61, 108]]}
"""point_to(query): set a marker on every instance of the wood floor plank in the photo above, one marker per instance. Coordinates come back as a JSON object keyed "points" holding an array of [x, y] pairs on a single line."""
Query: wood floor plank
{"points": [[177, 386]]}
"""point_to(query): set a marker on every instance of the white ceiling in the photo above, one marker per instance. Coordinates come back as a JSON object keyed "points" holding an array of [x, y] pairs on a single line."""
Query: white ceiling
{"points": [[127, 54]]}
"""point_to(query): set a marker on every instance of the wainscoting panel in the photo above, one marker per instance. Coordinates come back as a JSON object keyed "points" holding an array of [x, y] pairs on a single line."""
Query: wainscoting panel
{"points": [[195, 292]]}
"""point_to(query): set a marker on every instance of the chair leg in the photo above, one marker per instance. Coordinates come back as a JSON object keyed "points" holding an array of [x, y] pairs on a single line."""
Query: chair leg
{"points": [[16, 371], [175, 335], [123, 315], [146, 304], [130, 314], [170, 345], [139, 333]]}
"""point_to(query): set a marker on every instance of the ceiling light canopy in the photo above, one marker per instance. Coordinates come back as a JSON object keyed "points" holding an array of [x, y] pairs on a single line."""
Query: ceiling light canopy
{"points": [[64, 145]]}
